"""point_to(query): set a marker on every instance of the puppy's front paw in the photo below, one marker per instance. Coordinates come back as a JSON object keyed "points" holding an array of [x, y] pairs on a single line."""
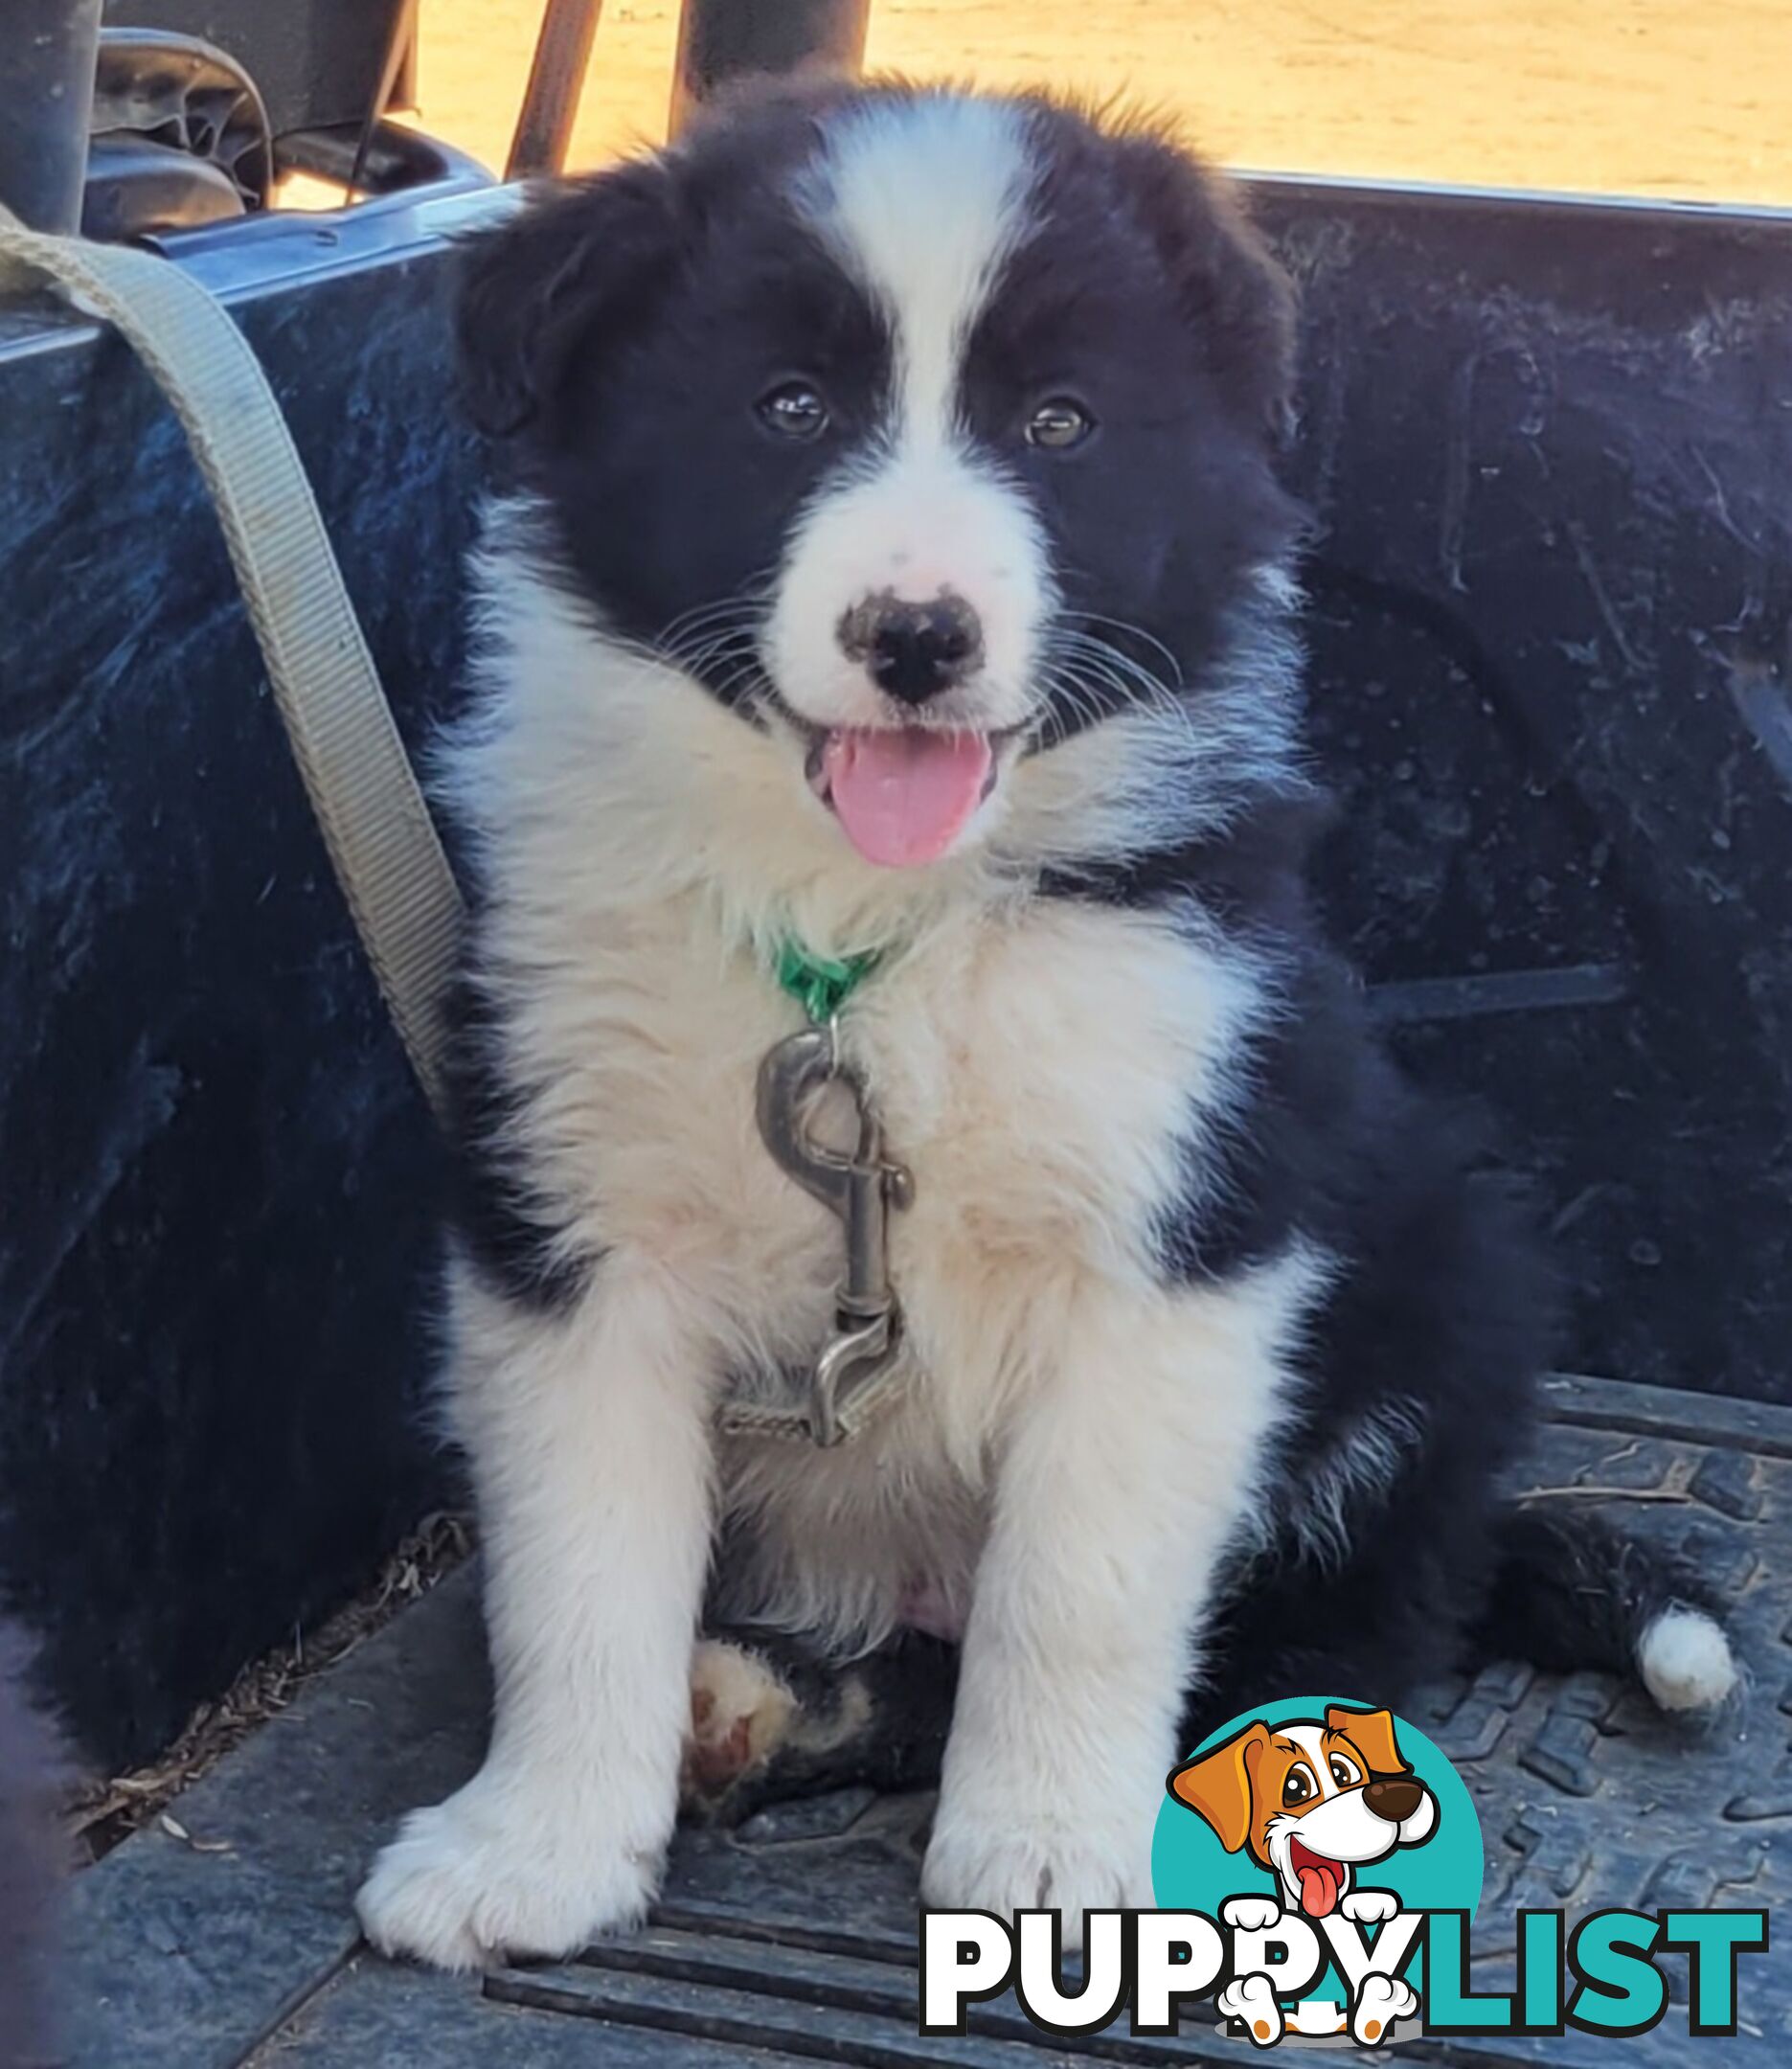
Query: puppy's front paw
{"points": [[1251, 1999], [1369, 1907], [1381, 2000], [1250, 1914], [464, 1883], [976, 1862]]}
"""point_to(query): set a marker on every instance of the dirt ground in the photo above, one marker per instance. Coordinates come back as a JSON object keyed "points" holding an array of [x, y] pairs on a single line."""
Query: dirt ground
{"points": [[1644, 97]]}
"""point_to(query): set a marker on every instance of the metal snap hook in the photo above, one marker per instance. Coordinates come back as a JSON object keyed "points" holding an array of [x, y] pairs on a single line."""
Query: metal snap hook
{"points": [[859, 1189]]}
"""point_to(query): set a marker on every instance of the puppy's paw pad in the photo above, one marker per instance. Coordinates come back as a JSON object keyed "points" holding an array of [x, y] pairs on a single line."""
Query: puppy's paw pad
{"points": [[741, 1711], [1251, 2000], [1369, 1907], [1379, 2003], [978, 1865], [1250, 1914], [458, 1890]]}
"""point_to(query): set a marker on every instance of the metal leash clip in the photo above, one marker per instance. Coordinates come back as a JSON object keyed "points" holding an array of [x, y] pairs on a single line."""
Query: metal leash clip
{"points": [[860, 1188]]}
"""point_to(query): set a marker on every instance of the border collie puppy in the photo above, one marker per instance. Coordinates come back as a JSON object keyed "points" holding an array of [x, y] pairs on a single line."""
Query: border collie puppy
{"points": [[894, 567]]}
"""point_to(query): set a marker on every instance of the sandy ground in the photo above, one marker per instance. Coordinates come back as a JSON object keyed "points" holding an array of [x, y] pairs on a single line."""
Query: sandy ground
{"points": [[1644, 97]]}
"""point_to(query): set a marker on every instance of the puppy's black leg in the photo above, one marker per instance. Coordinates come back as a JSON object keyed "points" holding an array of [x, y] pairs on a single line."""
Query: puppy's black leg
{"points": [[1369, 1629], [1244, 1682], [772, 1719]]}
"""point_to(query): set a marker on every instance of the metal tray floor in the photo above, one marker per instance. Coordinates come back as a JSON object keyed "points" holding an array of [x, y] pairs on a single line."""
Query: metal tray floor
{"points": [[792, 1938]]}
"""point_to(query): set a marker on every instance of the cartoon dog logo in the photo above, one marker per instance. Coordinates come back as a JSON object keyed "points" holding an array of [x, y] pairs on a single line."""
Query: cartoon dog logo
{"points": [[1312, 1803], [1313, 1800]]}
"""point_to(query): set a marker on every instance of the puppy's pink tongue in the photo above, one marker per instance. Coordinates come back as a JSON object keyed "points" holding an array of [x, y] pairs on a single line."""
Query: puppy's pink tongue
{"points": [[1319, 1890], [905, 795]]}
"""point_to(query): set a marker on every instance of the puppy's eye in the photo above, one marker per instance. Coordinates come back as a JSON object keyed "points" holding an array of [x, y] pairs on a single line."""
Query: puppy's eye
{"points": [[1343, 1771], [794, 409], [1299, 1787], [1059, 425]]}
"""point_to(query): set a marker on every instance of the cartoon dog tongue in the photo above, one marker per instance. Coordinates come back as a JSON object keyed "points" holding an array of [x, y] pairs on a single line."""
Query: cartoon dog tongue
{"points": [[903, 794], [1320, 1879]]}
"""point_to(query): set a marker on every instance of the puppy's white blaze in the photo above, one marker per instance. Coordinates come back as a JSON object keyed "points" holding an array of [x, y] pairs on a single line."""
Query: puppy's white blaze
{"points": [[1686, 1661], [921, 201]]}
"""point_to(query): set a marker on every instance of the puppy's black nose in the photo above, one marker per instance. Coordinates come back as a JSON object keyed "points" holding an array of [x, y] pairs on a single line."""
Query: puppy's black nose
{"points": [[910, 649], [1394, 1799]]}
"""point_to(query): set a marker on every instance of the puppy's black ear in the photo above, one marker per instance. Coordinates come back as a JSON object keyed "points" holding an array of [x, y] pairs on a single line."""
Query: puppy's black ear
{"points": [[579, 266], [1239, 302]]}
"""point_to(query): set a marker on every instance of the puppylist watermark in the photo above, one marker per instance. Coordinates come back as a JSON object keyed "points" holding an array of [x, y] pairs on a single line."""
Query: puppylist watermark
{"points": [[1317, 1868]]}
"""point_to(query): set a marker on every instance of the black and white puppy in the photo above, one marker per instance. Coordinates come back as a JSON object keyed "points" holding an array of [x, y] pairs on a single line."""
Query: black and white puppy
{"points": [[896, 564]]}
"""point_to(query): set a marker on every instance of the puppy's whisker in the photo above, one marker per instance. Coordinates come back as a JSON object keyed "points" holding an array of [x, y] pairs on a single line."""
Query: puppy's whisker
{"points": [[1073, 698], [743, 673], [1112, 657], [1131, 632], [1102, 692], [707, 653], [754, 596], [716, 629], [726, 618], [1129, 684]]}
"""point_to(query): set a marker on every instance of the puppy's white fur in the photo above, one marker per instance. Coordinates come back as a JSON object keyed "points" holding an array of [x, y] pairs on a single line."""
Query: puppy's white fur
{"points": [[1686, 1661], [1076, 1445], [587, 1442]]}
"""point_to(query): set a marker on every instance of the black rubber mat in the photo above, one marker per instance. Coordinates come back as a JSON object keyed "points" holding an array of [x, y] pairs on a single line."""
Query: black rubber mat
{"points": [[794, 1937]]}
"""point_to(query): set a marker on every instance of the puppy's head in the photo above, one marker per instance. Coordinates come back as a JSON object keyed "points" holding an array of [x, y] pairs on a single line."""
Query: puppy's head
{"points": [[1310, 1801], [920, 429]]}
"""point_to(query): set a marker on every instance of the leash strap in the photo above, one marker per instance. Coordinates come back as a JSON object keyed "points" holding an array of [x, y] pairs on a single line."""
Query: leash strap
{"points": [[382, 843]]}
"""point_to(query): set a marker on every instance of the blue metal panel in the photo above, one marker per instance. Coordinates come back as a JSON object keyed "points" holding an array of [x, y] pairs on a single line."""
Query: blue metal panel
{"points": [[215, 1243]]}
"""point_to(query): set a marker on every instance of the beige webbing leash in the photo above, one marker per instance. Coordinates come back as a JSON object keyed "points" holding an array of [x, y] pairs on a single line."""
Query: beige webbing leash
{"points": [[383, 845]]}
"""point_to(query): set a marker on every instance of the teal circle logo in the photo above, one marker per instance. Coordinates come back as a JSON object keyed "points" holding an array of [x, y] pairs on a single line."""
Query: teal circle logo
{"points": [[1328, 1809]]}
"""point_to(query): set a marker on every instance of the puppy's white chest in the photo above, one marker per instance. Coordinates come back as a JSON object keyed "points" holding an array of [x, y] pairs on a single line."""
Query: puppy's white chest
{"points": [[670, 1158], [1045, 1077], [1041, 1075]]}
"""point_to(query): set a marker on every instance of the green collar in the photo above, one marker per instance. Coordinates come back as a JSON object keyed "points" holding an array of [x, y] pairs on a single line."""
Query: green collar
{"points": [[820, 985]]}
